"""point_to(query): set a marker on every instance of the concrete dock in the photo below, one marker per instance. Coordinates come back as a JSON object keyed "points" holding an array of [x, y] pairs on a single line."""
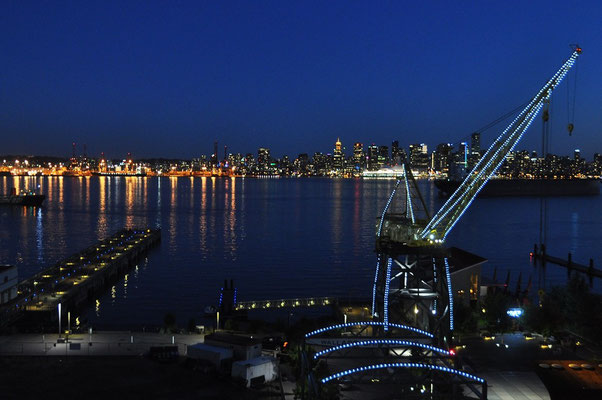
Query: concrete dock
{"points": [[119, 343], [77, 279]]}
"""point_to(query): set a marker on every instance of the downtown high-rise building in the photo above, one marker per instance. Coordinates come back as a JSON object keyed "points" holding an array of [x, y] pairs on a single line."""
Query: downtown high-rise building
{"points": [[372, 159], [395, 153], [419, 158], [301, 163], [320, 163], [358, 156], [263, 159], [337, 158], [383, 156], [475, 149], [475, 143], [442, 157], [398, 155]]}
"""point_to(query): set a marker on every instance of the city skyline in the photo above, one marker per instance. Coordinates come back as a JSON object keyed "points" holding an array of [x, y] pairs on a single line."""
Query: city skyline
{"points": [[445, 161], [347, 149], [168, 81]]}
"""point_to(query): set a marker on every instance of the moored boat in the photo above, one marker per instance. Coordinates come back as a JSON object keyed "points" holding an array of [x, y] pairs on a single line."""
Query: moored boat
{"points": [[23, 198]]}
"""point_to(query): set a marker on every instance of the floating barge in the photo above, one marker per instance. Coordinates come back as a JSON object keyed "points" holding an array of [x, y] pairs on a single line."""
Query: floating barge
{"points": [[527, 187], [77, 279]]}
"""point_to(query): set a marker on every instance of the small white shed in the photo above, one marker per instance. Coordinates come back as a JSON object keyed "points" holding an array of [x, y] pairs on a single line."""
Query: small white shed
{"points": [[248, 370]]}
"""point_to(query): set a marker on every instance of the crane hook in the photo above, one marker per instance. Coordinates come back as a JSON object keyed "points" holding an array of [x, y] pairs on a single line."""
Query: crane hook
{"points": [[570, 129]]}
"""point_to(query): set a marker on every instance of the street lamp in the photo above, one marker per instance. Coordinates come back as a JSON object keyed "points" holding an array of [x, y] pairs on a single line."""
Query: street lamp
{"points": [[59, 319]]}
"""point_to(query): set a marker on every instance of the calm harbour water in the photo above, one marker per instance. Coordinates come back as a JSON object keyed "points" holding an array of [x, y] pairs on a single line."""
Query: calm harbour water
{"points": [[277, 238]]}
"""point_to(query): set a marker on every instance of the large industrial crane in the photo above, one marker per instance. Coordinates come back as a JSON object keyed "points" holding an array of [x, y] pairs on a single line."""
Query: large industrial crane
{"points": [[445, 219], [434, 232], [412, 320], [409, 244]]}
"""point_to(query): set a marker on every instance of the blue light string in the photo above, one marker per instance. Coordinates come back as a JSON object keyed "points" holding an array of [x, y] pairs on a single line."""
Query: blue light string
{"points": [[382, 217], [386, 299], [408, 197], [554, 81], [435, 285], [374, 287], [451, 296], [404, 365], [530, 114], [382, 342], [369, 323], [464, 190], [463, 209]]}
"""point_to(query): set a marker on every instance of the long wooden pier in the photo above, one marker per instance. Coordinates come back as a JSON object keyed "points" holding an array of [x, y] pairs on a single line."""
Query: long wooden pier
{"points": [[569, 264], [78, 278]]}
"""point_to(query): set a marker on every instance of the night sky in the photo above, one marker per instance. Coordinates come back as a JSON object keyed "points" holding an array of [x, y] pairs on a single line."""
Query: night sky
{"points": [[167, 78]]}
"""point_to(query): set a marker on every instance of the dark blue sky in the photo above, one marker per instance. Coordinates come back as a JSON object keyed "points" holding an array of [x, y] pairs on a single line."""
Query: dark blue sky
{"points": [[168, 78]]}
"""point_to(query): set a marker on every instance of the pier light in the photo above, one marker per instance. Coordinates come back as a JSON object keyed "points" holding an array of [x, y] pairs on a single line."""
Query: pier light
{"points": [[59, 310], [515, 312]]}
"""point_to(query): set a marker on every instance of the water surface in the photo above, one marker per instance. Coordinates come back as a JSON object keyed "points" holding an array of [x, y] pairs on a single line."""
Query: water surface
{"points": [[276, 238]]}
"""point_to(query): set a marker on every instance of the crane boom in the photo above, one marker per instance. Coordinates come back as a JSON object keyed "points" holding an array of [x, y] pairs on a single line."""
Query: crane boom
{"points": [[445, 219]]}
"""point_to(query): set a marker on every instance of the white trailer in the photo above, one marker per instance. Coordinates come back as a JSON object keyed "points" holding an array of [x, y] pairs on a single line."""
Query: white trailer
{"points": [[248, 370]]}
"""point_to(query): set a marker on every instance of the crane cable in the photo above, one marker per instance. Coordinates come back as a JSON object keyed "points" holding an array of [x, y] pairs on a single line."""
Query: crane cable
{"points": [[498, 120], [571, 107], [503, 117]]}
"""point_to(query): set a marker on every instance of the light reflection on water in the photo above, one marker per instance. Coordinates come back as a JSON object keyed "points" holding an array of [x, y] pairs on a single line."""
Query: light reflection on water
{"points": [[274, 237]]}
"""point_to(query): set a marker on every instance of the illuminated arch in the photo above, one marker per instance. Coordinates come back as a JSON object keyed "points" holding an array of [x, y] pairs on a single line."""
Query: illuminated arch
{"points": [[371, 323], [404, 365], [382, 341]]}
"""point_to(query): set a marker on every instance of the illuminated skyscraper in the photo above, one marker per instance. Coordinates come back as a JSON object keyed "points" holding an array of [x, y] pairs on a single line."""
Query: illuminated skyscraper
{"points": [[419, 158], [442, 157], [358, 156], [337, 161], [475, 144], [396, 153], [263, 159], [373, 158], [383, 156], [475, 150]]}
